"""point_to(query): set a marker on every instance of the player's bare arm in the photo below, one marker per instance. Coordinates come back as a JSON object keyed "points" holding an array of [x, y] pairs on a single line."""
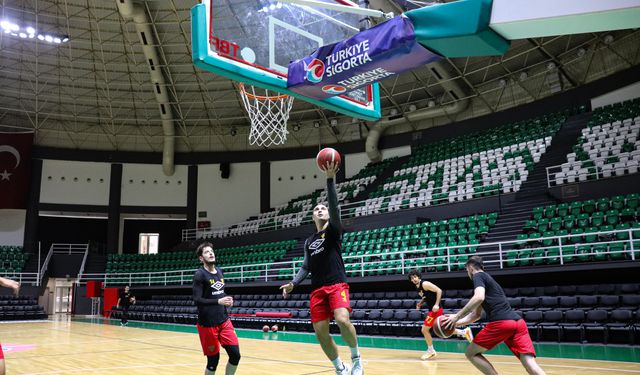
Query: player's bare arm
{"points": [[475, 301], [472, 317], [8, 283], [433, 288]]}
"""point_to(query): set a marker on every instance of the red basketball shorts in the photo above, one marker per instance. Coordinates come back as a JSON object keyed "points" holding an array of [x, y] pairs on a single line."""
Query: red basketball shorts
{"points": [[1, 353], [513, 333], [430, 320], [212, 337], [328, 298]]}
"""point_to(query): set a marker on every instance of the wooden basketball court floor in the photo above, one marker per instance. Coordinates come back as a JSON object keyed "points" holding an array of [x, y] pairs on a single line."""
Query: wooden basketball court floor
{"points": [[103, 347]]}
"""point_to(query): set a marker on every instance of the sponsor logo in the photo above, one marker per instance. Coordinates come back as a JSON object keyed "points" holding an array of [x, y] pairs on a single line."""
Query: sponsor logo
{"points": [[334, 89], [316, 246], [217, 285], [348, 58], [315, 71]]}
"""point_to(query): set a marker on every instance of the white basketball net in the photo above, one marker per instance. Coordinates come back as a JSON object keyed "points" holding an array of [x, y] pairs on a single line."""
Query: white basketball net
{"points": [[268, 114]]}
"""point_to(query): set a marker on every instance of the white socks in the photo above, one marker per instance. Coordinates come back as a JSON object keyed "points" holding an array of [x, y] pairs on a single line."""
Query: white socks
{"points": [[355, 352], [337, 363]]}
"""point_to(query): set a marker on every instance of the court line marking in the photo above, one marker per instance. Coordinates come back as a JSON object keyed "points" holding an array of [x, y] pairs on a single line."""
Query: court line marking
{"points": [[272, 362], [311, 363]]}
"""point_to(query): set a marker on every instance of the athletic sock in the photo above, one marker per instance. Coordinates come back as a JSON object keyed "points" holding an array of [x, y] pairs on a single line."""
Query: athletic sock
{"points": [[231, 369], [355, 352], [431, 348], [337, 363]]}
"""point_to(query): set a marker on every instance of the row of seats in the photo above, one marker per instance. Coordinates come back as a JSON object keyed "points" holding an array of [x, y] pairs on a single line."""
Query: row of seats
{"points": [[20, 308], [604, 318], [12, 259], [608, 147], [230, 258]]}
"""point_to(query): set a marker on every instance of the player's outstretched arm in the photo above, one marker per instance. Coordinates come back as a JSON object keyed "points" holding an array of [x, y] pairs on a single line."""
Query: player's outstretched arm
{"points": [[331, 170], [8, 283], [302, 274]]}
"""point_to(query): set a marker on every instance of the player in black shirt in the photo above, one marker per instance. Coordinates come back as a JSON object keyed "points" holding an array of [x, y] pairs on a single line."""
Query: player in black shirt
{"points": [[214, 327], [330, 295], [504, 324], [431, 296], [125, 300]]}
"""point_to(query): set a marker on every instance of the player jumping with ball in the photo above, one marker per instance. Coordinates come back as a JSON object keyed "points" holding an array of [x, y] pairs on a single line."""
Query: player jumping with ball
{"points": [[330, 296]]}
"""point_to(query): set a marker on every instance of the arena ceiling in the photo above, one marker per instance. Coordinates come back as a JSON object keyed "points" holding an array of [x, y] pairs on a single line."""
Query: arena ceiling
{"points": [[93, 91]]}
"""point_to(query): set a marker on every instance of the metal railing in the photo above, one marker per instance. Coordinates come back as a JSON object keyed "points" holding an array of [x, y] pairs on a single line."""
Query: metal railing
{"points": [[562, 249], [69, 248], [84, 260], [348, 210], [581, 177], [24, 278]]}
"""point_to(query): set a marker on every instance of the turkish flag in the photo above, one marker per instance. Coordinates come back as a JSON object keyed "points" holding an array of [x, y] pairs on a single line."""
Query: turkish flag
{"points": [[15, 169]]}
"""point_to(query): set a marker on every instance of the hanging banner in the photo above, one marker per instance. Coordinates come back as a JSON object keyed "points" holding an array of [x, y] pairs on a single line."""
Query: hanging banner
{"points": [[369, 56], [15, 169]]}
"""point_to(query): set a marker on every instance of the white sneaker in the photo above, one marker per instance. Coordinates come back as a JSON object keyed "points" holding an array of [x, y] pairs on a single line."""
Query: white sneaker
{"points": [[428, 355], [468, 334], [346, 370], [357, 366]]}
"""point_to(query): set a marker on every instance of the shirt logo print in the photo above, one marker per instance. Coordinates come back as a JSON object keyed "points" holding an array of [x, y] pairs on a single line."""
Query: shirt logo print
{"points": [[217, 285], [316, 246]]}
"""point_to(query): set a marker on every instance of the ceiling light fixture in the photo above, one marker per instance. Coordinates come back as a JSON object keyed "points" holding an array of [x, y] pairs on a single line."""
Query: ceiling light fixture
{"points": [[30, 32]]}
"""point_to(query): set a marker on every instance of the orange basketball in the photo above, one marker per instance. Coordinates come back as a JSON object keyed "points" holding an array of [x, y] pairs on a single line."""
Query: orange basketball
{"points": [[328, 155], [439, 329]]}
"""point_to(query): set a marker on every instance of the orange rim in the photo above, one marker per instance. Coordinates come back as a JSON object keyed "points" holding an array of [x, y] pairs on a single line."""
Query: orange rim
{"points": [[259, 97]]}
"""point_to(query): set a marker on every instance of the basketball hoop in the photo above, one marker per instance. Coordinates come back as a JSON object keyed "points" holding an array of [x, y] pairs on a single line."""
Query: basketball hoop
{"points": [[268, 114]]}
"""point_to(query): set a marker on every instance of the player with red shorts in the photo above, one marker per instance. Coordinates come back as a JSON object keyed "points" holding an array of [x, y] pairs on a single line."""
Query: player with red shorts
{"points": [[214, 327], [504, 324], [7, 283], [431, 296], [330, 295]]}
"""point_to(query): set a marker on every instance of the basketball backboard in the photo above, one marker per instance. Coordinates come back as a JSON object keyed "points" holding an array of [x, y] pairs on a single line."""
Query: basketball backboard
{"points": [[253, 41]]}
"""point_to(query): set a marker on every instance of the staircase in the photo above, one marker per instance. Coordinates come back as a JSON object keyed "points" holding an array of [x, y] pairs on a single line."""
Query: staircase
{"points": [[95, 263], [533, 192], [380, 179]]}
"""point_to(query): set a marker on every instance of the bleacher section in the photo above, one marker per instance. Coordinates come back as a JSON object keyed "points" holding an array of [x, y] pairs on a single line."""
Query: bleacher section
{"points": [[378, 251], [298, 209], [607, 313], [609, 146], [588, 225], [20, 308], [230, 258], [12, 259], [474, 165]]}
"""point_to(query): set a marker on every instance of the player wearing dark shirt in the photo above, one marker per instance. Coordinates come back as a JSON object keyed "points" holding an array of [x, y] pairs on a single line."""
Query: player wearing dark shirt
{"points": [[504, 324], [330, 295], [125, 300], [214, 327], [431, 296]]}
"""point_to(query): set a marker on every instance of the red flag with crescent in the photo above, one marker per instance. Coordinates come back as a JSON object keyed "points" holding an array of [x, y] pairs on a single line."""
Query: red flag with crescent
{"points": [[15, 169]]}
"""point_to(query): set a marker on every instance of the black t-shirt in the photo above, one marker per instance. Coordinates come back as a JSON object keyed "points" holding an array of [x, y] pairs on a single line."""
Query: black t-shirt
{"points": [[208, 288], [428, 297], [323, 250], [495, 303], [125, 299]]}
